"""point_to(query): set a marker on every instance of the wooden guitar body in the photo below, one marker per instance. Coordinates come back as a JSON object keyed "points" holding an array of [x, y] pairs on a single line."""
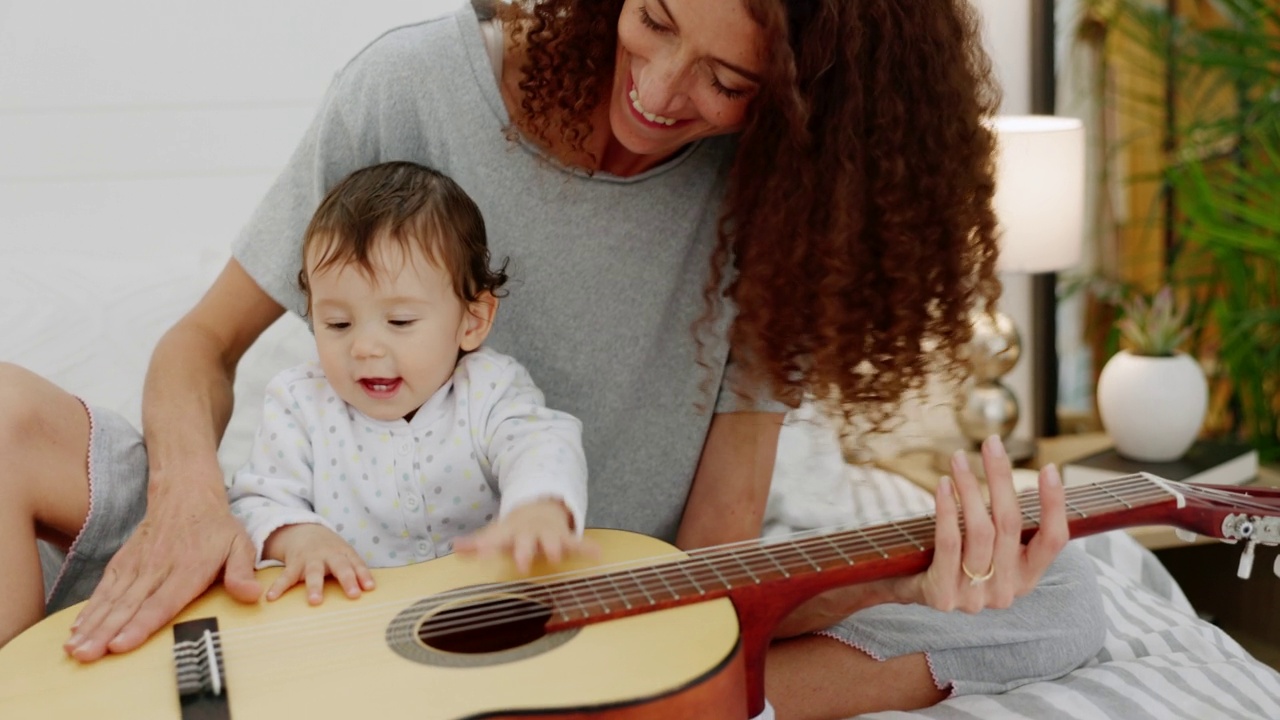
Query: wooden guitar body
{"points": [[288, 659]]}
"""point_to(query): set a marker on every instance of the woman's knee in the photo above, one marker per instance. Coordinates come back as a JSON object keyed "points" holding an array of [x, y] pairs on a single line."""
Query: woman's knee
{"points": [[44, 443]]}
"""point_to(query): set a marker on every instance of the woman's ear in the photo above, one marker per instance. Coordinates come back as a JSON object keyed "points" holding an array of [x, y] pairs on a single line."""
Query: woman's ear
{"points": [[477, 321]]}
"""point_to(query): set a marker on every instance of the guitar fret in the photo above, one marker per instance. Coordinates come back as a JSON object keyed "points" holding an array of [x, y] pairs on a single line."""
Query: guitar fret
{"points": [[806, 557], [836, 547], [599, 598], [692, 579], [910, 538], [748, 569], [632, 574], [663, 578], [1076, 510], [1117, 497], [768, 552], [626, 603], [727, 585], [872, 543], [573, 594]]}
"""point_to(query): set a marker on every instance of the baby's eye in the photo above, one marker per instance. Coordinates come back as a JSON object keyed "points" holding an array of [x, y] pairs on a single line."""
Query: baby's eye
{"points": [[337, 325], [401, 323]]}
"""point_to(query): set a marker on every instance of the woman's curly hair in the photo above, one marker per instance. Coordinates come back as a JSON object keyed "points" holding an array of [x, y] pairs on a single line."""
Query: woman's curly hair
{"points": [[858, 215]]}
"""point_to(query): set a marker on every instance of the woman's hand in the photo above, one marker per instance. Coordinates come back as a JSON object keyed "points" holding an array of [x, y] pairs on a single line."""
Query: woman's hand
{"points": [[311, 553], [985, 564], [540, 528]]}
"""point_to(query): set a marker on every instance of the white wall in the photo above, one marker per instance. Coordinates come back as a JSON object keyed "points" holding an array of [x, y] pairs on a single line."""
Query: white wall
{"points": [[159, 124]]}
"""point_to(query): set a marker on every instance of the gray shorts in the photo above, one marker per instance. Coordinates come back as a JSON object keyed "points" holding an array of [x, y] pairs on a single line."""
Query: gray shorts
{"points": [[117, 501], [1043, 635]]}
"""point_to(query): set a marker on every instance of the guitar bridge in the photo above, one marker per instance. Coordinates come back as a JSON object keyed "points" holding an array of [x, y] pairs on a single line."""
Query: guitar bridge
{"points": [[197, 661]]}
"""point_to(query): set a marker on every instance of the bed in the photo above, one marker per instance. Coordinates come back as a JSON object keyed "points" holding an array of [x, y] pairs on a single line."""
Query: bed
{"points": [[89, 321]]}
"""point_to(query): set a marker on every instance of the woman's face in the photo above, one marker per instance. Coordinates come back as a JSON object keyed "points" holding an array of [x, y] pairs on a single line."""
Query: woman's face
{"points": [[685, 70]]}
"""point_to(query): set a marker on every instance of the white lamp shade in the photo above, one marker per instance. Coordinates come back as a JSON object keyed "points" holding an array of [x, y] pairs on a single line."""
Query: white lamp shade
{"points": [[1039, 199]]}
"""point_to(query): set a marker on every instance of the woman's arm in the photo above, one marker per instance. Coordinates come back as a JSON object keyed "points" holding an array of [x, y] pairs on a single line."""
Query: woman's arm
{"points": [[188, 534], [731, 485]]}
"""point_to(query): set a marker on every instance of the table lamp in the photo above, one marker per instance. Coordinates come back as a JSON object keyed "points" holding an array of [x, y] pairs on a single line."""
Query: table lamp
{"points": [[1039, 207]]}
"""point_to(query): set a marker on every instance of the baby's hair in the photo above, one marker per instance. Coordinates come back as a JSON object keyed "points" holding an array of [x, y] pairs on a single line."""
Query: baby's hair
{"points": [[408, 204]]}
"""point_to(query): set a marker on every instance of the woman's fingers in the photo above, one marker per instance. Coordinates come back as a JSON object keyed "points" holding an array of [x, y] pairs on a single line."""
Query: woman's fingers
{"points": [[1006, 517], [1052, 535], [978, 552]]}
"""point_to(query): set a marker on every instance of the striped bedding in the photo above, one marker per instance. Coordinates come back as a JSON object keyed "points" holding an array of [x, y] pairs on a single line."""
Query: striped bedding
{"points": [[1159, 660]]}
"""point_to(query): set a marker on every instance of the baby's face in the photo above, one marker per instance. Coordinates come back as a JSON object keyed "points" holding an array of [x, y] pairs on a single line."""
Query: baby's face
{"points": [[387, 342]]}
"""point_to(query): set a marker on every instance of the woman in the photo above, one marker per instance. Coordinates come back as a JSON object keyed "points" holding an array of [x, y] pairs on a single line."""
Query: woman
{"points": [[806, 183]]}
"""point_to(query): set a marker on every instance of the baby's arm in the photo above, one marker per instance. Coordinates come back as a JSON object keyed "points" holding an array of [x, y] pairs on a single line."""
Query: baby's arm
{"points": [[273, 496], [536, 454]]}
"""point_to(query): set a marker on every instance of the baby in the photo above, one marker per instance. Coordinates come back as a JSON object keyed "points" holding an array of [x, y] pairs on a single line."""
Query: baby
{"points": [[410, 436]]}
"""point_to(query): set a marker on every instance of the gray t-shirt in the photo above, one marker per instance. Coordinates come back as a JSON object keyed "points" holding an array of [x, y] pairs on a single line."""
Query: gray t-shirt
{"points": [[607, 272]]}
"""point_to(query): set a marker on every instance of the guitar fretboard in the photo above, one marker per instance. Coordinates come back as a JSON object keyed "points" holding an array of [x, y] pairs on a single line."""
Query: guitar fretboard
{"points": [[720, 571]]}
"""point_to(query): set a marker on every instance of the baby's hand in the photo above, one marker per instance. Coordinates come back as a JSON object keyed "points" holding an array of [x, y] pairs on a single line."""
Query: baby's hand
{"points": [[542, 527], [309, 553]]}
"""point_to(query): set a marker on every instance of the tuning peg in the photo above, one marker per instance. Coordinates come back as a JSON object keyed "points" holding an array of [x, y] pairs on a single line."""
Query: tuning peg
{"points": [[1275, 567], [1246, 561], [1185, 536]]}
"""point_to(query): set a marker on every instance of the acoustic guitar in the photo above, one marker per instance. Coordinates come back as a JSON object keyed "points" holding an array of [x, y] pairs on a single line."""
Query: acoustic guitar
{"points": [[644, 632]]}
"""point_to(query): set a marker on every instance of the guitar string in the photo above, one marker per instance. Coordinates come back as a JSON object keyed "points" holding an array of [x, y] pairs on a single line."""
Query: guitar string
{"points": [[1232, 498], [702, 573], [644, 565], [467, 621]]}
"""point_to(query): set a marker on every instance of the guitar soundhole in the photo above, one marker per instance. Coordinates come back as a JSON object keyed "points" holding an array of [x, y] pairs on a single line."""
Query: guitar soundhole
{"points": [[478, 626], [486, 626]]}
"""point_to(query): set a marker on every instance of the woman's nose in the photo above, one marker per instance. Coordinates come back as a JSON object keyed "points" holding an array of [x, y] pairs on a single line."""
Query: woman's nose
{"points": [[662, 86]]}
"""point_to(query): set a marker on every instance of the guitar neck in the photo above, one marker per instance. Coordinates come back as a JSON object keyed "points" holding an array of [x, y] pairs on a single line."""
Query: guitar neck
{"points": [[807, 564]]}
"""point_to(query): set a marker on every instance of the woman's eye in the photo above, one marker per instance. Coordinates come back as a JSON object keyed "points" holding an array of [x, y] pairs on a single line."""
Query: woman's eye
{"points": [[650, 23], [728, 92]]}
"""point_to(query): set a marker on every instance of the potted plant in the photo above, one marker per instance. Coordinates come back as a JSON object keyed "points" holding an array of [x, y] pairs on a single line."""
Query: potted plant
{"points": [[1152, 396]]}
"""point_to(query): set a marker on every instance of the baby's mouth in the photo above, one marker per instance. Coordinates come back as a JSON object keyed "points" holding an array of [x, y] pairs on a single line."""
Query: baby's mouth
{"points": [[380, 387]]}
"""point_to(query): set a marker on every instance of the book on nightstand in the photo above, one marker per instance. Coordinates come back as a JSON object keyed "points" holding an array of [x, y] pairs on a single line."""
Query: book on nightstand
{"points": [[1212, 462]]}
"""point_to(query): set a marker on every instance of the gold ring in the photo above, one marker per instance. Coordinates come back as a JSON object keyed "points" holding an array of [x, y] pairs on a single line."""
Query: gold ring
{"points": [[978, 579]]}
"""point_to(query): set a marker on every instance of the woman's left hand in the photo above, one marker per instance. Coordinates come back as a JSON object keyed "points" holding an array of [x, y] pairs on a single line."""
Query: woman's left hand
{"points": [[985, 564]]}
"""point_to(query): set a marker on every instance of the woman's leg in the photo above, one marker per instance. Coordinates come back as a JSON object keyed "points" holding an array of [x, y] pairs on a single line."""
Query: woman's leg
{"points": [[817, 677], [44, 486]]}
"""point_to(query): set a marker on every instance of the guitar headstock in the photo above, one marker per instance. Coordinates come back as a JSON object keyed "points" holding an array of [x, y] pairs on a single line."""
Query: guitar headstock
{"points": [[1232, 514]]}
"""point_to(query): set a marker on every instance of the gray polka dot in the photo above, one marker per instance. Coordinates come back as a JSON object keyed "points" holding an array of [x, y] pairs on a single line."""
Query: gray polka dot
{"points": [[272, 469], [376, 539], [438, 488], [273, 436], [333, 462], [335, 494], [339, 527], [488, 517], [332, 429]]}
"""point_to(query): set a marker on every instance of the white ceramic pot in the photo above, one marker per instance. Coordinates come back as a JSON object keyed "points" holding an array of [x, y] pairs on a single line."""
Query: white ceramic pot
{"points": [[1152, 407]]}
